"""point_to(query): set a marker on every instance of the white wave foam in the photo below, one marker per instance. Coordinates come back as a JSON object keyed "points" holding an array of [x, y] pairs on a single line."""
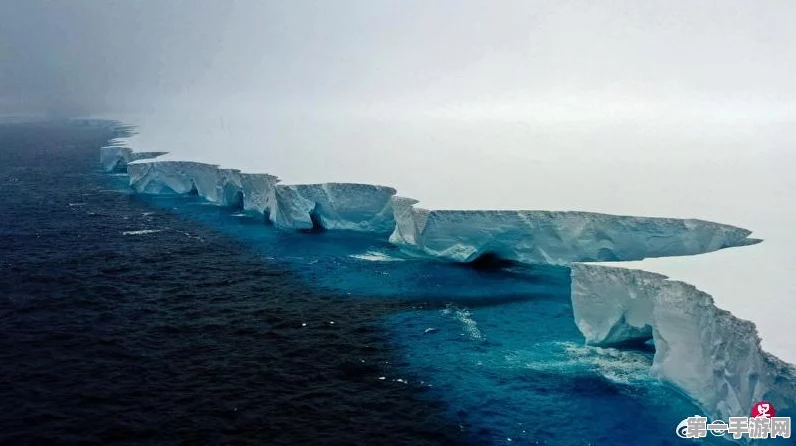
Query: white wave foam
{"points": [[619, 366], [375, 256], [470, 326], [141, 232]]}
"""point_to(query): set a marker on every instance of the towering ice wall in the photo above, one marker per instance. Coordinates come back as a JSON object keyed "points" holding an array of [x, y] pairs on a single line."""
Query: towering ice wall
{"points": [[114, 158], [557, 238], [219, 186], [712, 355], [258, 191], [164, 177], [531, 237], [357, 207], [409, 221]]}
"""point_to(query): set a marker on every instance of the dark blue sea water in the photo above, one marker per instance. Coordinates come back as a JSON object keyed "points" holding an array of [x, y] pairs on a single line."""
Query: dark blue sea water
{"points": [[128, 319]]}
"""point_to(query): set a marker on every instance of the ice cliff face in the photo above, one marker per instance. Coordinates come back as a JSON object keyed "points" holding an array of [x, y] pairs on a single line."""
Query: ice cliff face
{"points": [[557, 238], [219, 186], [165, 177], [114, 158], [614, 305], [357, 207], [532, 237], [258, 191], [713, 356]]}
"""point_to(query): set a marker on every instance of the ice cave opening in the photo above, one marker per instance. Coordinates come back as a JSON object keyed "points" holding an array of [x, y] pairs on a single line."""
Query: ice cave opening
{"points": [[236, 203], [316, 219], [490, 261]]}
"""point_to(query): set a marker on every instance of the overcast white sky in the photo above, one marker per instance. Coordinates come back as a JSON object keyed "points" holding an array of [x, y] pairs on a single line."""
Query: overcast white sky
{"points": [[505, 57]]}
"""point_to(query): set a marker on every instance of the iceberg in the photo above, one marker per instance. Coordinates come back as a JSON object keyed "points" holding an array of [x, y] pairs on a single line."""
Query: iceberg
{"points": [[340, 206], [554, 237], [713, 356]]}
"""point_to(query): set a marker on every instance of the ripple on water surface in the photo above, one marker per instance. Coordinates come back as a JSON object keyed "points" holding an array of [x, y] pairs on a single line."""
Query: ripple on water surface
{"points": [[113, 333]]}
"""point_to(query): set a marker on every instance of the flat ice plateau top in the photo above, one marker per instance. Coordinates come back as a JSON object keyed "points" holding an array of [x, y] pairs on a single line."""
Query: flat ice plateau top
{"points": [[713, 356], [556, 238]]}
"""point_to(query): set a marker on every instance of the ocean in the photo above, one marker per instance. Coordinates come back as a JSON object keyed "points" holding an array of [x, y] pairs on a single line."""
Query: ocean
{"points": [[131, 319]]}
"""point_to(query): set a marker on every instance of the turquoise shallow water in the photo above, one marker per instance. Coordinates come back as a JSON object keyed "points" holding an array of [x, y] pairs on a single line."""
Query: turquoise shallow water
{"points": [[519, 373], [497, 348]]}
